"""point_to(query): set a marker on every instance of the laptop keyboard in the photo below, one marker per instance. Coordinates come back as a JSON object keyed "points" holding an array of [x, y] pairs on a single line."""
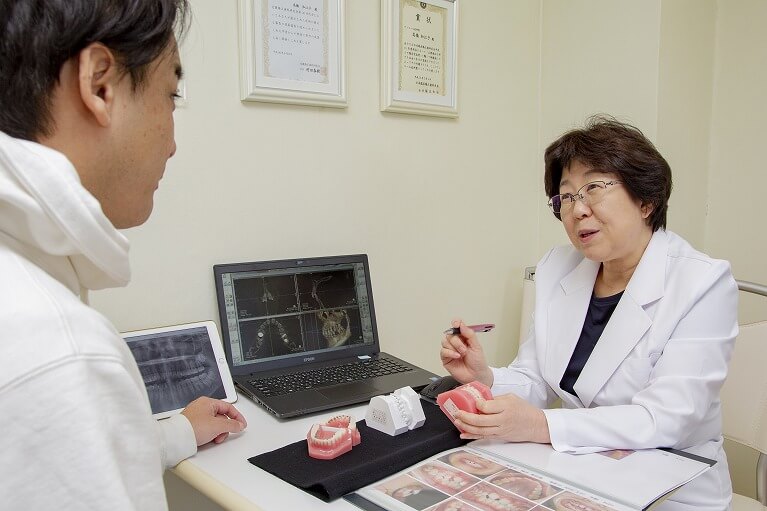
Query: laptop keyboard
{"points": [[326, 376]]}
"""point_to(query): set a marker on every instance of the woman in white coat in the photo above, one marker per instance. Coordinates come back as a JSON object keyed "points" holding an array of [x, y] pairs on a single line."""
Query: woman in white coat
{"points": [[633, 328]]}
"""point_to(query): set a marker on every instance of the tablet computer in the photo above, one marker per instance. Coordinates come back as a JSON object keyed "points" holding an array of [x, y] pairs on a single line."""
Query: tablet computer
{"points": [[179, 364]]}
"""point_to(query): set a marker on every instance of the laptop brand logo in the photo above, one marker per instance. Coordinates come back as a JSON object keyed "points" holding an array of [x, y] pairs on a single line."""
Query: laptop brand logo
{"points": [[309, 359]]}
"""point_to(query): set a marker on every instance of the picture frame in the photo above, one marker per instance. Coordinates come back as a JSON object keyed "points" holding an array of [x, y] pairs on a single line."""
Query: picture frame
{"points": [[419, 64], [293, 51]]}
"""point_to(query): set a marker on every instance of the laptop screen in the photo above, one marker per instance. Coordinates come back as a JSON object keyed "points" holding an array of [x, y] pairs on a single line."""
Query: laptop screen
{"points": [[277, 313]]}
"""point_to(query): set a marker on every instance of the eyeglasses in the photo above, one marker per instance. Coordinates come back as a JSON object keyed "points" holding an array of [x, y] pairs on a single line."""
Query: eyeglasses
{"points": [[592, 193]]}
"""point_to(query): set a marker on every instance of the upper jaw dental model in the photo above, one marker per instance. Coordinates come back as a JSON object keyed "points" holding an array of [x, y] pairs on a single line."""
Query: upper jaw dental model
{"points": [[463, 398], [333, 438], [396, 413]]}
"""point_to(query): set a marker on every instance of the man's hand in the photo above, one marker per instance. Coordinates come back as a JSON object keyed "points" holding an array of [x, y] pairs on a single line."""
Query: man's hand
{"points": [[213, 419]]}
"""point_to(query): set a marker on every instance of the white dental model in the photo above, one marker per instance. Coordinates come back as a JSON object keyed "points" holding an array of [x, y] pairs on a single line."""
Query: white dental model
{"points": [[396, 413]]}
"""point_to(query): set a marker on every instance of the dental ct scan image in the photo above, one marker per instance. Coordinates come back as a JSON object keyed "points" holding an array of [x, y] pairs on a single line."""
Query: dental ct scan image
{"points": [[286, 314]]}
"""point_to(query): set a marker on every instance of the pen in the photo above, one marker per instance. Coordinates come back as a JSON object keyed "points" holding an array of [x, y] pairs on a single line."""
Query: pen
{"points": [[484, 327]]}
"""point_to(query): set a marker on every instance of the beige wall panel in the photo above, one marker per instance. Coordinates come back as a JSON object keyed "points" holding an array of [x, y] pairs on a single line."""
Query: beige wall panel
{"points": [[735, 227], [735, 223], [444, 208], [598, 56], [685, 89], [451, 210]]}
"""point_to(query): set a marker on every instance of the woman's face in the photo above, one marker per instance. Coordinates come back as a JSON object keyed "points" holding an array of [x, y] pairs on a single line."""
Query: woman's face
{"points": [[613, 230]]}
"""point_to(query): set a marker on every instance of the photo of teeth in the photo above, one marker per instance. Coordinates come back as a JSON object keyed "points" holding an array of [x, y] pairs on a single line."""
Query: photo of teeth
{"points": [[444, 477], [570, 502], [178, 368], [472, 463], [491, 498], [453, 505], [411, 492], [524, 485]]}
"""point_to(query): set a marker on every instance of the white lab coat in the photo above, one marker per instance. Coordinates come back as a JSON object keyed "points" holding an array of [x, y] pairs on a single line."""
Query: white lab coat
{"points": [[654, 377]]}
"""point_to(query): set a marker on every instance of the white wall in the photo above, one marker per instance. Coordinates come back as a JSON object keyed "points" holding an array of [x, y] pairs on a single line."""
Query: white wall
{"points": [[734, 225], [444, 208], [451, 211], [685, 88], [599, 56], [649, 63]]}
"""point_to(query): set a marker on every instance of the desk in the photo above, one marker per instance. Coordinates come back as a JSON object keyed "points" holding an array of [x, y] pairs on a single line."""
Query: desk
{"points": [[222, 472]]}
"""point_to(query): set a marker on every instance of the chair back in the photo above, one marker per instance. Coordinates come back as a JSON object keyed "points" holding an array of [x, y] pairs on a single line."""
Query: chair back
{"points": [[744, 395]]}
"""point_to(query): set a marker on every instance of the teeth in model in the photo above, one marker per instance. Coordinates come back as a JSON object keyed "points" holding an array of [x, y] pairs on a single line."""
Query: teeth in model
{"points": [[342, 421], [330, 441], [473, 392]]}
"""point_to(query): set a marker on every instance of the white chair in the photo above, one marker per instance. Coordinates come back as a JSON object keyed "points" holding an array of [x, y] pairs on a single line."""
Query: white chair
{"points": [[744, 400]]}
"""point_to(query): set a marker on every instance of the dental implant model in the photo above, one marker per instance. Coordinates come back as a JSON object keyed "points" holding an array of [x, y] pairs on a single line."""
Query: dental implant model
{"points": [[333, 438], [396, 413], [463, 398]]}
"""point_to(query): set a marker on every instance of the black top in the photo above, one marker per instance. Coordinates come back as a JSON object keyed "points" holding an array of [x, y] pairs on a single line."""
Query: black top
{"points": [[600, 310]]}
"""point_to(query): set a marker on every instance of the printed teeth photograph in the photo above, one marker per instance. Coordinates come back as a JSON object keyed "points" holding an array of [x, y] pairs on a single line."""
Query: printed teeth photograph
{"points": [[444, 477], [524, 485], [491, 498], [472, 463]]}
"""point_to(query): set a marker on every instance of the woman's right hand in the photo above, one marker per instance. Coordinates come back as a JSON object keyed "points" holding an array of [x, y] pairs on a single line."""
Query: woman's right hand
{"points": [[463, 357]]}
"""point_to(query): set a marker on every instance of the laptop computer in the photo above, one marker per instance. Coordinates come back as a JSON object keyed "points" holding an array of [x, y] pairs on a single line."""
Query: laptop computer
{"points": [[300, 334]]}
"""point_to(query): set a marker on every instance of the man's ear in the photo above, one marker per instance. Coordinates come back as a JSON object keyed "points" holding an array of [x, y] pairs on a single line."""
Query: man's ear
{"points": [[98, 75]]}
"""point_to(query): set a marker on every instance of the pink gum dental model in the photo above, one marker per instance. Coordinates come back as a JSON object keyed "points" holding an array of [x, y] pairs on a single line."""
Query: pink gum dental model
{"points": [[333, 438], [463, 398]]}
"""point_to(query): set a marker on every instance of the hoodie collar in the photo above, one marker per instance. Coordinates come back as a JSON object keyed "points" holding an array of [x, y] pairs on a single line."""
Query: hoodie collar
{"points": [[44, 207]]}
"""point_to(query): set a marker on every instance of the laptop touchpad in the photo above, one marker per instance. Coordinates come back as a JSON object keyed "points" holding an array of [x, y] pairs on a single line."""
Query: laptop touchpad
{"points": [[351, 390]]}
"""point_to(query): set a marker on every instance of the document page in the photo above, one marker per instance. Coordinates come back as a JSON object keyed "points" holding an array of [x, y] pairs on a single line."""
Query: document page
{"points": [[468, 479], [634, 478]]}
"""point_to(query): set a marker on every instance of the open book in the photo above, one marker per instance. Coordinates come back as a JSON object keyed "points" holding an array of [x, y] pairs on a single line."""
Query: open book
{"points": [[491, 476]]}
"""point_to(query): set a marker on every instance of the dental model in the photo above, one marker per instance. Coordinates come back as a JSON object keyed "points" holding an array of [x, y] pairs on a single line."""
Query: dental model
{"points": [[396, 413], [463, 398], [333, 438]]}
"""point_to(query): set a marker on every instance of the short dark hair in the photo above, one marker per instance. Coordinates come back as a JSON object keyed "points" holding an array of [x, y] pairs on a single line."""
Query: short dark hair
{"points": [[613, 146], [40, 36]]}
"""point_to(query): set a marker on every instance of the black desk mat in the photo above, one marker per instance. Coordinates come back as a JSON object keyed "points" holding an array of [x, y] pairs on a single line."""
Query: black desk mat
{"points": [[376, 457]]}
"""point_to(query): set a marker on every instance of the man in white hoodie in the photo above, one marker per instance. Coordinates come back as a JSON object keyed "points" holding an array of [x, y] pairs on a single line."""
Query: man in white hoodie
{"points": [[86, 128]]}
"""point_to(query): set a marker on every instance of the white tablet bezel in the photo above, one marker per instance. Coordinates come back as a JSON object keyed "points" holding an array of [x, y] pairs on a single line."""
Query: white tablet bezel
{"points": [[218, 353]]}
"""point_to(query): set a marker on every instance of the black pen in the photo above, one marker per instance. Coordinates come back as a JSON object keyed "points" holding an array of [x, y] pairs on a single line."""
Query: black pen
{"points": [[484, 327]]}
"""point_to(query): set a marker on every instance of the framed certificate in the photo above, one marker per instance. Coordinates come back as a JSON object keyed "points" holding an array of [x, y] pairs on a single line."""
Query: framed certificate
{"points": [[293, 52], [418, 57]]}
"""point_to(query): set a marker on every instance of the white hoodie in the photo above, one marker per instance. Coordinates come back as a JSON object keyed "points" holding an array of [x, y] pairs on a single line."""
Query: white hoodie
{"points": [[76, 429]]}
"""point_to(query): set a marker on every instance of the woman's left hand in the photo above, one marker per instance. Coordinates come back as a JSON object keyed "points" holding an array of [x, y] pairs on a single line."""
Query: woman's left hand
{"points": [[506, 417]]}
